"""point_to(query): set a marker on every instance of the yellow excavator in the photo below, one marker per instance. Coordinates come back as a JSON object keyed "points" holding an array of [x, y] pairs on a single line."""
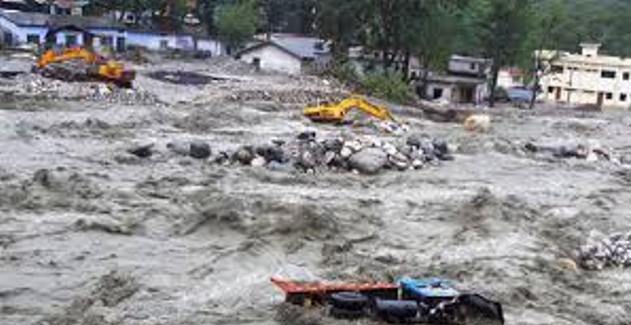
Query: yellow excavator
{"points": [[335, 112], [80, 64]]}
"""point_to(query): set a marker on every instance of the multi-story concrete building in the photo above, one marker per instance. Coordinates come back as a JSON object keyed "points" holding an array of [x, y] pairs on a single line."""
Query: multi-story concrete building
{"points": [[586, 78]]}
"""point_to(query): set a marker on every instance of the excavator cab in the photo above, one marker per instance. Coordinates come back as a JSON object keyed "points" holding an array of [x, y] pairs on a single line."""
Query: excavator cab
{"points": [[336, 112]]}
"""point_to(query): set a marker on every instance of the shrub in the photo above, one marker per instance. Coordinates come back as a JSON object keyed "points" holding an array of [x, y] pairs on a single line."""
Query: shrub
{"points": [[388, 85]]}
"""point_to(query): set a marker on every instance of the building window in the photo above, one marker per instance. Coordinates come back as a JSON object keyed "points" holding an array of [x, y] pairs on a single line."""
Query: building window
{"points": [[606, 74], [473, 66], [71, 40], [32, 39], [121, 44], [256, 62], [623, 97], [609, 96], [107, 41], [557, 69], [438, 93], [625, 76], [164, 44], [550, 90]]}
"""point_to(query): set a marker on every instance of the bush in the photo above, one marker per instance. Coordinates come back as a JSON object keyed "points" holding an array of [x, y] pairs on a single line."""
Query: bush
{"points": [[345, 73], [388, 85]]}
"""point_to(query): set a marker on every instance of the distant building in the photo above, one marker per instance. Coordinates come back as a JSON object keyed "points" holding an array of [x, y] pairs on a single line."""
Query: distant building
{"points": [[586, 78], [510, 78], [363, 61], [292, 54], [60, 30], [466, 81], [18, 28]]}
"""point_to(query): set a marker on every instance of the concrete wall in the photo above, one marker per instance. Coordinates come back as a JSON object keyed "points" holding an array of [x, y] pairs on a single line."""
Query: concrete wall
{"points": [[581, 84], [274, 59], [183, 42], [212, 46], [150, 41], [466, 66], [506, 80], [454, 93]]}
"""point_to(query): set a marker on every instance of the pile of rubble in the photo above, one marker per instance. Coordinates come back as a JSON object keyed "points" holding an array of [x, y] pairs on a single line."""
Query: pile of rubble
{"points": [[362, 155], [297, 96], [602, 251], [31, 85]]}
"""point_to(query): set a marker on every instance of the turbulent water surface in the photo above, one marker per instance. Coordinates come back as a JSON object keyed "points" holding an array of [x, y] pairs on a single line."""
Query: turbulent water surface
{"points": [[92, 235]]}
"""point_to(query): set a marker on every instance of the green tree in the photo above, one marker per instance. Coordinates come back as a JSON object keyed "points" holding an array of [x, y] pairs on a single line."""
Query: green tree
{"points": [[206, 12], [550, 25], [341, 23], [236, 23], [501, 29], [435, 21]]}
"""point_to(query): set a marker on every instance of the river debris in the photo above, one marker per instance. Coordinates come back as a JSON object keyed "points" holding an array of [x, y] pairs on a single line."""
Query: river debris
{"points": [[589, 150], [601, 252], [367, 155]]}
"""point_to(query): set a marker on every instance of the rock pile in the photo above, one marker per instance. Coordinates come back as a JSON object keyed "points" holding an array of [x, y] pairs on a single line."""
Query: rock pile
{"points": [[297, 96], [31, 85], [600, 251], [363, 155]]}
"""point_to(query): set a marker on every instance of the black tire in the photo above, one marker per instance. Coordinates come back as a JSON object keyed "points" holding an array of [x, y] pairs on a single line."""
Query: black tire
{"points": [[349, 301], [346, 314], [396, 309]]}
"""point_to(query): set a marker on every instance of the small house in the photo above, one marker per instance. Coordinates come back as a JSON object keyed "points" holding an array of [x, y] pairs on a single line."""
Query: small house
{"points": [[289, 54], [465, 82]]}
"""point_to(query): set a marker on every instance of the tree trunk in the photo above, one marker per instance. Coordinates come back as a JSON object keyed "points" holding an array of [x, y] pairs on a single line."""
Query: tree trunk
{"points": [[425, 79], [536, 85], [495, 71], [406, 65]]}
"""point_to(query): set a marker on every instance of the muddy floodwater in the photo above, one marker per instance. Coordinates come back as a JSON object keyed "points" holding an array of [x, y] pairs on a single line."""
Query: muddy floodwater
{"points": [[90, 234]]}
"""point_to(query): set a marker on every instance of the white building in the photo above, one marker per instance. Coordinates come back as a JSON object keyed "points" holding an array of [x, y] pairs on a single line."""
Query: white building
{"points": [[62, 30], [586, 78], [288, 54], [162, 41], [510, 78], [18, 28], [466, 81]]}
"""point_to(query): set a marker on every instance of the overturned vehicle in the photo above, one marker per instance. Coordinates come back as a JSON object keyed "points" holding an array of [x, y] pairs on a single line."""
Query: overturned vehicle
{"points": [[409, 301]]}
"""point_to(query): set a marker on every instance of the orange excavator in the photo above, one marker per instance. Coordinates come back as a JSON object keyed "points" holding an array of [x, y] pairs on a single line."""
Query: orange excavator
{"points": [[80, 64]]}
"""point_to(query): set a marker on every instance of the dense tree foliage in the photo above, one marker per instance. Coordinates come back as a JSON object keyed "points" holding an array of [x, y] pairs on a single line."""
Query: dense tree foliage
{"points": [[506, 31], [236, 23]]}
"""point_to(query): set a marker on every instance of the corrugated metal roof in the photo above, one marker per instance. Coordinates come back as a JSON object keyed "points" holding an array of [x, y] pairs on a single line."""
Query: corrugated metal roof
{"points": [[38, 19], [301, 46]]}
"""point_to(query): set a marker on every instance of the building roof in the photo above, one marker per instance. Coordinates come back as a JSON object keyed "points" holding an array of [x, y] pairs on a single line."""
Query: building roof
{"points": [[32, 19], [573, 58], [458, 80], [469, 59], [301, 47]]}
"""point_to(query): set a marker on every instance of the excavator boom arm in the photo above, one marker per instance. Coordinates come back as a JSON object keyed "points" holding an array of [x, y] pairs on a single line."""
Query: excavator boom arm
{"points": [[336, 112]]}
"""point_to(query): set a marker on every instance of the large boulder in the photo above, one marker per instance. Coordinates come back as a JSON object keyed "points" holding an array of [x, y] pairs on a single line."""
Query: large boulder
{"points": [[369, 160], [200, 150]]}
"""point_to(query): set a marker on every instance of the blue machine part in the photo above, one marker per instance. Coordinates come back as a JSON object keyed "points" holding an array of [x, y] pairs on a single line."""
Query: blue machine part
{"points": [[428, 288]]}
